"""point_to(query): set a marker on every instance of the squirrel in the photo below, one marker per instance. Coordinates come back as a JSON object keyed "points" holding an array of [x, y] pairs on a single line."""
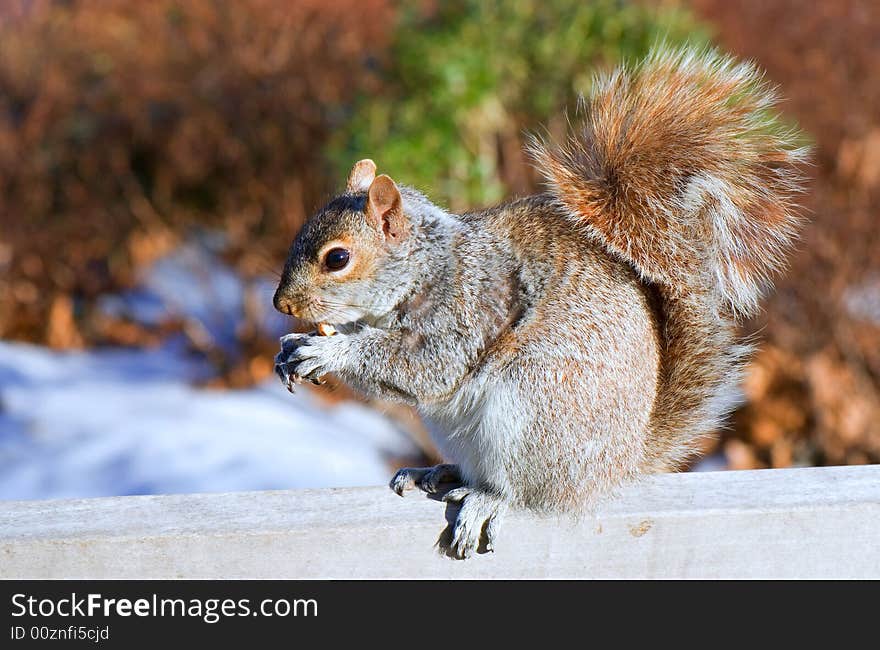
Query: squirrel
{"points": [[565, 343]]}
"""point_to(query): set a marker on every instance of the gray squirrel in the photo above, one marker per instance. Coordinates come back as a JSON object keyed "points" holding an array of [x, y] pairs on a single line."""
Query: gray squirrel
{"points": [[567, 342]]}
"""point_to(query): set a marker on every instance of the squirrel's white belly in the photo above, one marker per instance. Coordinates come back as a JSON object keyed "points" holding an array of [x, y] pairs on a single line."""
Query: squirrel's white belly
{"points": [[479, 428], [540, 428]]}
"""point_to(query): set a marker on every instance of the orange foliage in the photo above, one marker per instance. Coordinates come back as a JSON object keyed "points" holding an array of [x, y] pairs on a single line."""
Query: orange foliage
{"points": [[121, 118], [814, 387]]}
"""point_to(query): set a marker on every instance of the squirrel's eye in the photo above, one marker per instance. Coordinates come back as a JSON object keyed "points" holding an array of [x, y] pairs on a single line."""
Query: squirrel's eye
{"points": [[336, 259]]}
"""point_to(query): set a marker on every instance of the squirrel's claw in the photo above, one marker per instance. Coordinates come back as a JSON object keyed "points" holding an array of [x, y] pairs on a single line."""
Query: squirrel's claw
{"points": [[302, 357], [427, 479], [309, 369], [435, 476], [405, 479], [479, 515], [478, 519], [282, 369]]}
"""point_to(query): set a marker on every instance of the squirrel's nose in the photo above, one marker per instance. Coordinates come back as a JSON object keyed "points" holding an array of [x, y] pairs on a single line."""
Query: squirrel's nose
{"points": [[282, 302]]}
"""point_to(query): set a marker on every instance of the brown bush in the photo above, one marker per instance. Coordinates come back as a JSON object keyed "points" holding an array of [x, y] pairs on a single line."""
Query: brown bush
{"points": [[814, 388], [122, 123]]}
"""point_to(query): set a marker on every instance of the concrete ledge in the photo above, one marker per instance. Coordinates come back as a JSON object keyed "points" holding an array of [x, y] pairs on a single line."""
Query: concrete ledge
{"points": [[794, 523]]}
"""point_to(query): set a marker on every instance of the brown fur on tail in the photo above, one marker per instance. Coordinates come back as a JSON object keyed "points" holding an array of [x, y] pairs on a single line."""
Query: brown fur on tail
{"points": [[681, 168]]}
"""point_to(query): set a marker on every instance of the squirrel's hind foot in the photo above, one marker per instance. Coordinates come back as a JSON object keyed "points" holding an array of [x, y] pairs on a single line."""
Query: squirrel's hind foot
{"points": [[479, 518]]}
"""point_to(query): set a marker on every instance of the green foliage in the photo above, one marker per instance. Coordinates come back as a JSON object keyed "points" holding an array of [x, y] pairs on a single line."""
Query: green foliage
{"points": [[465, 78]]}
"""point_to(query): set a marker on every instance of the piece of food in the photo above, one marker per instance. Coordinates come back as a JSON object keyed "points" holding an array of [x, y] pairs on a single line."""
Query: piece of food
{"points": [[324, 329]]}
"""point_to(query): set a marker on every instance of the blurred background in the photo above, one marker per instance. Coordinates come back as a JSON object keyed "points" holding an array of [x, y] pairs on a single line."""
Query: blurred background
{"points": [[156, 159]]}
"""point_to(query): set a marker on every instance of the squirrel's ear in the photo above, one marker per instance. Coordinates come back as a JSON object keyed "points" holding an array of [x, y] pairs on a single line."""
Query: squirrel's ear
{"points": [[361, 175], [384, 209]]}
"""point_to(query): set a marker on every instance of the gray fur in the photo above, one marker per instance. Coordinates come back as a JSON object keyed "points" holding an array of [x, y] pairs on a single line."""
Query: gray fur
{"points": [[565, 343]]}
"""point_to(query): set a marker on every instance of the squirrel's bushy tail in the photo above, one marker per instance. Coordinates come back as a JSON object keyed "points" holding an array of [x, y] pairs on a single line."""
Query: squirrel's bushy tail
{"points": [[681, 167]]}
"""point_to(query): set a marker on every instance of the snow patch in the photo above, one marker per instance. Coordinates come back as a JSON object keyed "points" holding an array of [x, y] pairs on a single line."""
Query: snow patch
{"points": [[116, 422]]}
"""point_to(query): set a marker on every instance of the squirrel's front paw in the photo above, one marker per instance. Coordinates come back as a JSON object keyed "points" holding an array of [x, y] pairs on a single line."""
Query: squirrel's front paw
{"points": [[306, 356], [428, 479], [481, 513]]}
